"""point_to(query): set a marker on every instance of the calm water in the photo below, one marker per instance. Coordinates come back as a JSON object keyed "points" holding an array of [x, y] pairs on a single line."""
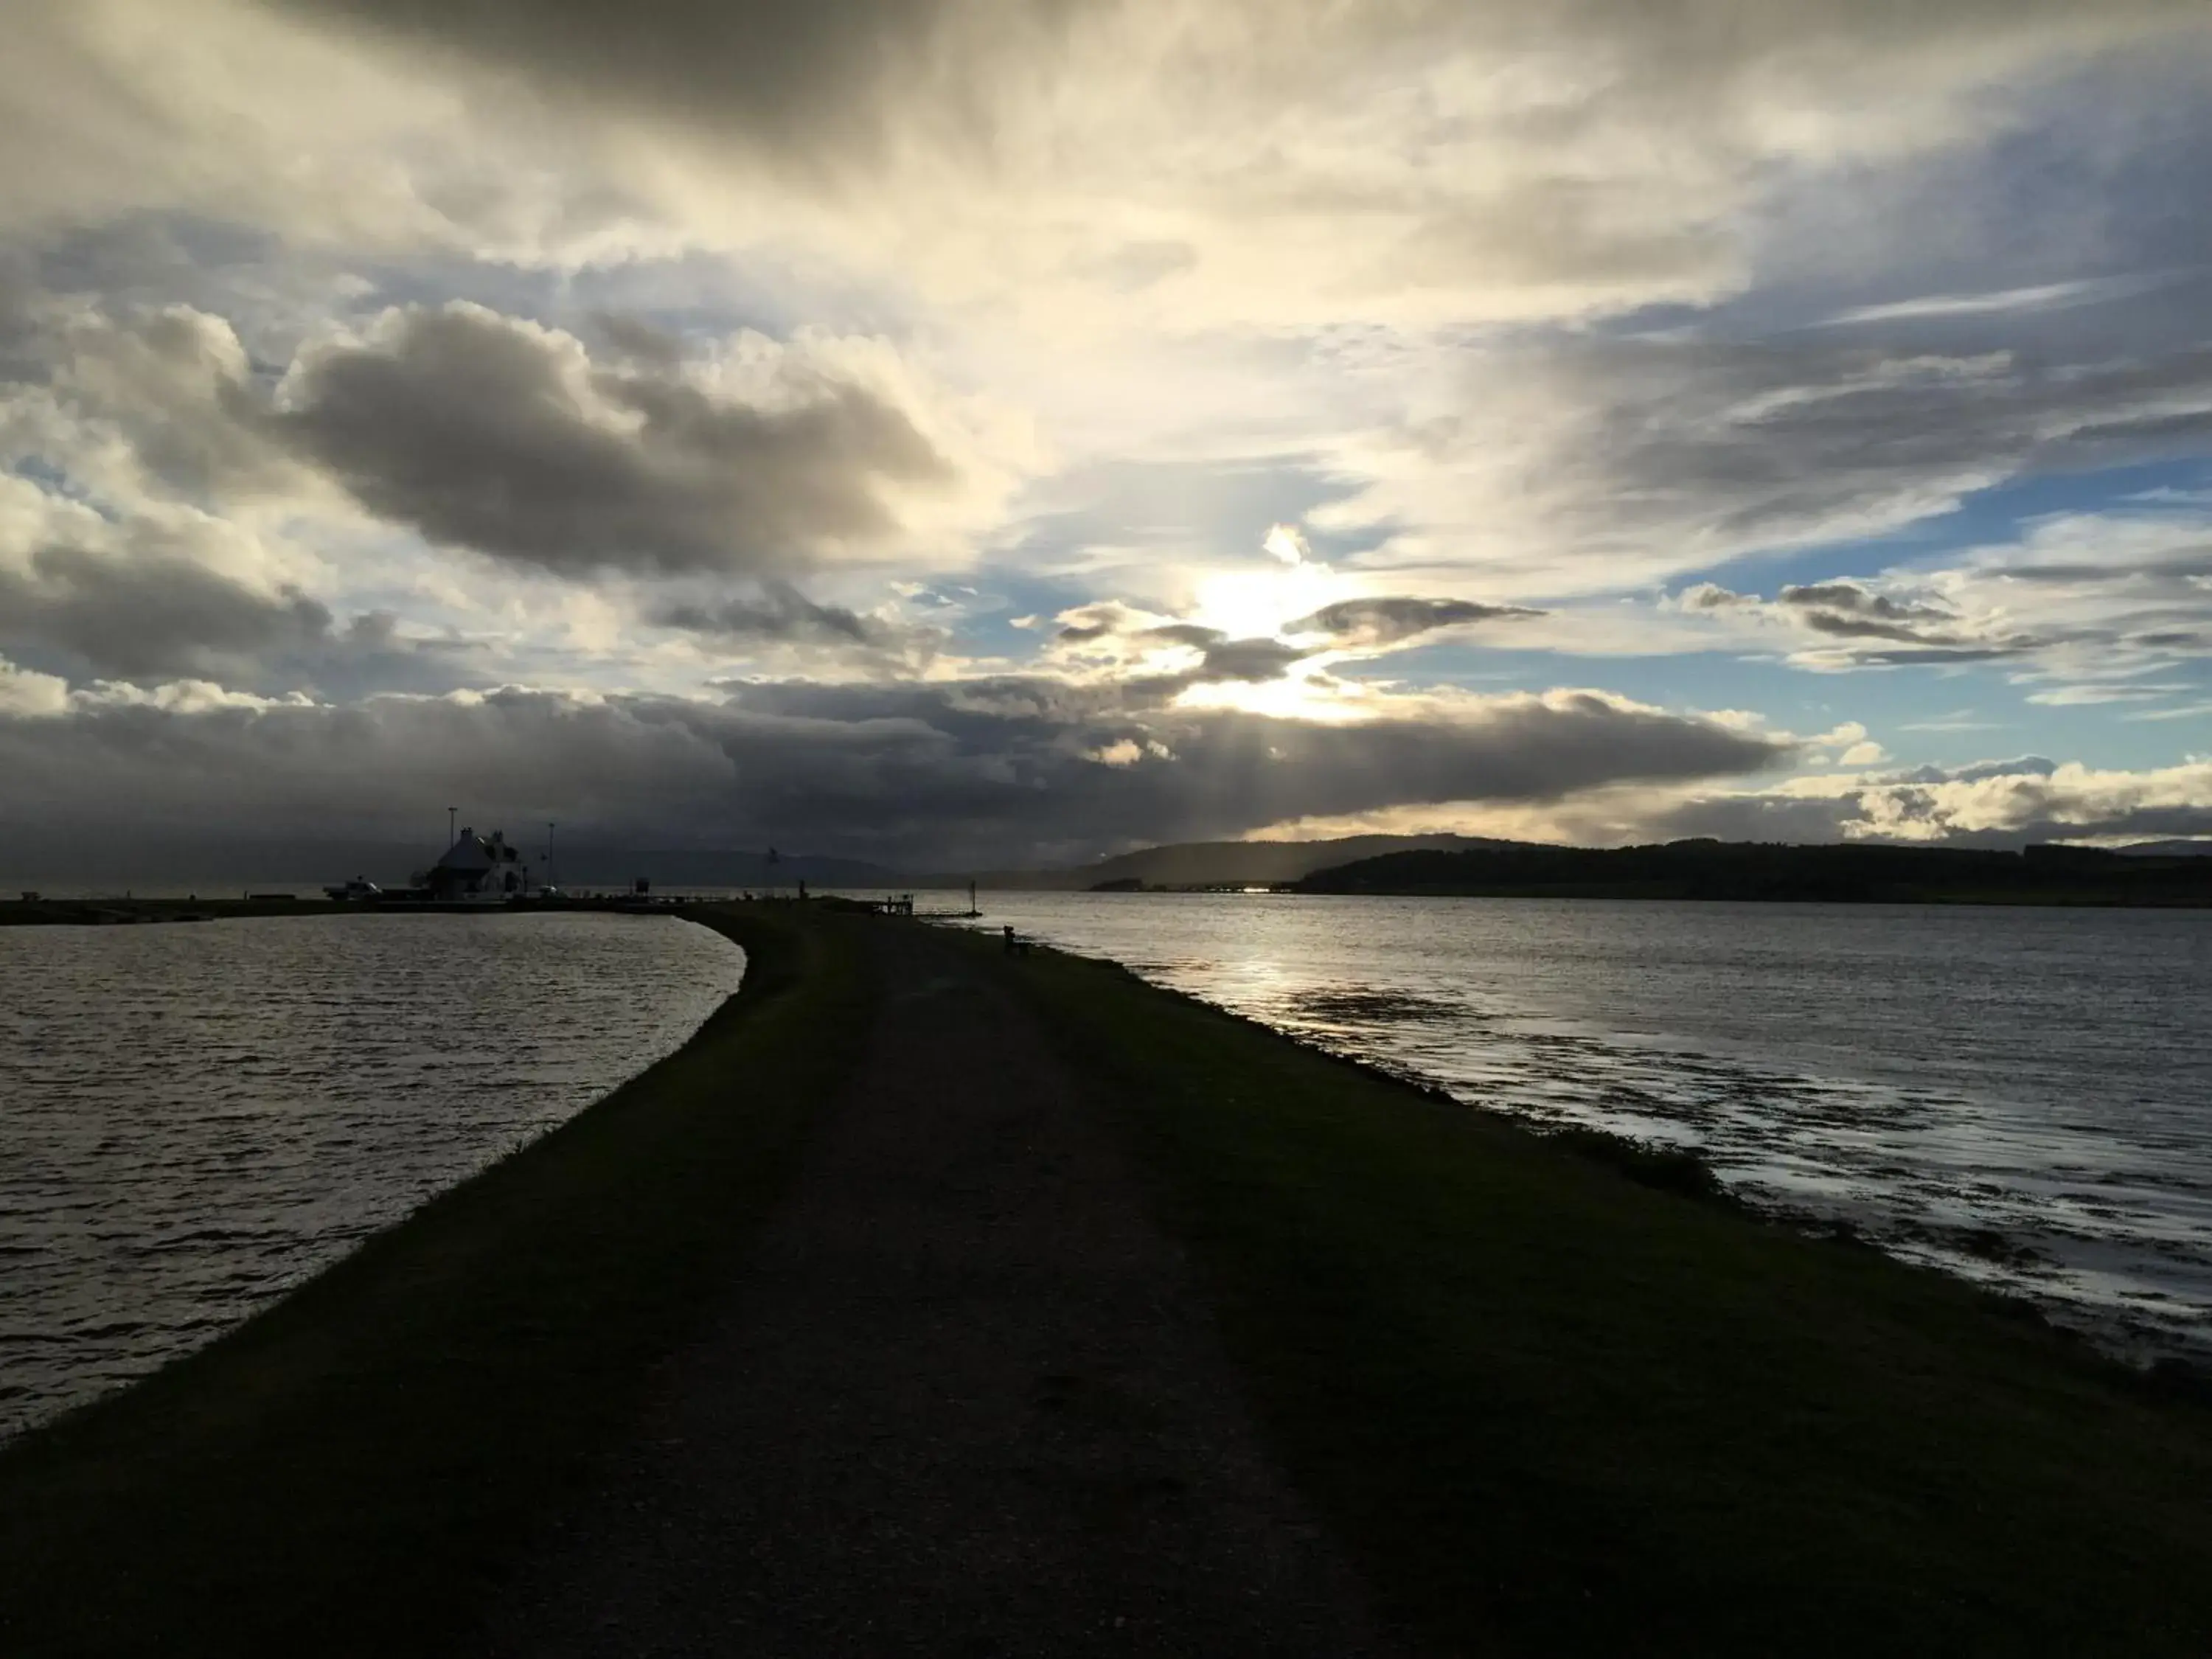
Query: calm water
{"points": [[2021, 1096], [195, 1116]]}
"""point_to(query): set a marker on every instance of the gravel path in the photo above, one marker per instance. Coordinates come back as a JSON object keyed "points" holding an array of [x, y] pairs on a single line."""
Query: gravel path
{"points": [[966, 1400]]}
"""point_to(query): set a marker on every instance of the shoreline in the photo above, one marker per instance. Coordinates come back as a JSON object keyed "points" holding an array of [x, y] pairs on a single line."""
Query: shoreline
{"points": [[405, 1415], [1656, 893], [1549, 1403], [127, 910], [1418, 1297], [1688, 1172]]}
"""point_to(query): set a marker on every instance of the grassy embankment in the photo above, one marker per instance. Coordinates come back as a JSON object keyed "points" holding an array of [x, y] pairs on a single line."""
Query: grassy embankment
{"points": [[1554, 1410], [346, 1473]]}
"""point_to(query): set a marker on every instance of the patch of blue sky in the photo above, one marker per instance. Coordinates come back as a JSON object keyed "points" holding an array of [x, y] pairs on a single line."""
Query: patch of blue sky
{"points": [[1005, 594], [2004, 513], [55, 480], [2000, 516]]}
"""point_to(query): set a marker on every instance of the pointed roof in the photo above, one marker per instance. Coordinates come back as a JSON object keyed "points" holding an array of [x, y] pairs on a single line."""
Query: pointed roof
{"points": [[470, 856]]}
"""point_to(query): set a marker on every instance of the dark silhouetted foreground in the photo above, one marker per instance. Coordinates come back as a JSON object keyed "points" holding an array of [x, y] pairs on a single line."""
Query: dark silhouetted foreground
{"points": [[937, 1300]]}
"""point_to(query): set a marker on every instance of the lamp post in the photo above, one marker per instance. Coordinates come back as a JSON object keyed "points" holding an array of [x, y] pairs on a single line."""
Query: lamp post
{"points": [[453, 817]]}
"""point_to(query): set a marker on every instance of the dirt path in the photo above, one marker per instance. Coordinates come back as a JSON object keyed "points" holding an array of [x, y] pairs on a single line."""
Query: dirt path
{"points": [[967, 1401]]}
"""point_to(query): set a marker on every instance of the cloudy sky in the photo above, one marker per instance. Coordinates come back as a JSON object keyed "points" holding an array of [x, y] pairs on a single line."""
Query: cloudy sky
{"points": [[961, 432]]}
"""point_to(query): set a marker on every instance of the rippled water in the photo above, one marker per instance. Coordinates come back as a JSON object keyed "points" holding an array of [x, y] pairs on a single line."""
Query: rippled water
{"points": [[2021, 1096], [195, 1116]]}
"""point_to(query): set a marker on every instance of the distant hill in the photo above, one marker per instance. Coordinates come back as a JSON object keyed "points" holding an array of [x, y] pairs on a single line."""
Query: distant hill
{"points": [[1851, 872], [2168, 849], [1216, 863]]}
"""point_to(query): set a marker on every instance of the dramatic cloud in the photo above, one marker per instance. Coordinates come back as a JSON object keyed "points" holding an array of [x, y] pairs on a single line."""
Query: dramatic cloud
{"points": [[1379, 623], [779, 612], [1047, 424], [1221, 658], [1223, 159], [778, 616], [979, 771], [1141, 649], [1880, 629], [160, 618], [1579, 463], [2041, 804], [24, 695], [2006, 804], [2089, 600], [485, 432]]}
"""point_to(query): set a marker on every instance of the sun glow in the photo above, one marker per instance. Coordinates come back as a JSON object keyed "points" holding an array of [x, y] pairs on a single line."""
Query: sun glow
{"points": [[1250, 605], [1335, 703]]}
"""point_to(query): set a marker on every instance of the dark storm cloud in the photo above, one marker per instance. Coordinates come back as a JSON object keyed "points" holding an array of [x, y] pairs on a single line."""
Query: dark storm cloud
{"points": [[778, 614], [484, 432], [1194, 635], [1017, 755], [178, 380], [172, 382], [639, 343], [978, 772], [799, 80], [1253, 661], [150, 619], [805, 81], [1394, 620], [89, 616]]}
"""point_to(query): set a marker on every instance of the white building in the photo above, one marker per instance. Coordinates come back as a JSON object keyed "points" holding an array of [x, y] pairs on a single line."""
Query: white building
{"points": [[480, 868]]}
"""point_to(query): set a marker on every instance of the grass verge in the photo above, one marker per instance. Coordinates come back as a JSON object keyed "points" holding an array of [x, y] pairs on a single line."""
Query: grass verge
{"points": [[350, 1471], [1552, 1410]]}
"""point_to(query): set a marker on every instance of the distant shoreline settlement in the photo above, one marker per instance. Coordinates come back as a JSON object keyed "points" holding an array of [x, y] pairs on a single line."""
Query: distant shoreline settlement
{"points": [[473, 870], [487, 870]]}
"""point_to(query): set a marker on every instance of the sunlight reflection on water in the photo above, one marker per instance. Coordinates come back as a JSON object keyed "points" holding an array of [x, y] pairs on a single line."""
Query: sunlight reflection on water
{"points": [[195, 1116], [2020, 1096]]}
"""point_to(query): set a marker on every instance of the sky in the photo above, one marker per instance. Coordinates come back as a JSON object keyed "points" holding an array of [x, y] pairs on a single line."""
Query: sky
{"points": [[959, 433]]}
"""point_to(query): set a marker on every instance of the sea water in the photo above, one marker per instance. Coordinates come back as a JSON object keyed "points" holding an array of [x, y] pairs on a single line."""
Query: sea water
{"points": [[2020, 1096], [195, 1116]]}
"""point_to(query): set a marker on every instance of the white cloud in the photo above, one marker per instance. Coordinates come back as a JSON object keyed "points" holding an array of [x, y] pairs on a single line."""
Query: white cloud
{"points": [[28, 695], [2094, 602], [1996, 804], [2002, 302]]}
